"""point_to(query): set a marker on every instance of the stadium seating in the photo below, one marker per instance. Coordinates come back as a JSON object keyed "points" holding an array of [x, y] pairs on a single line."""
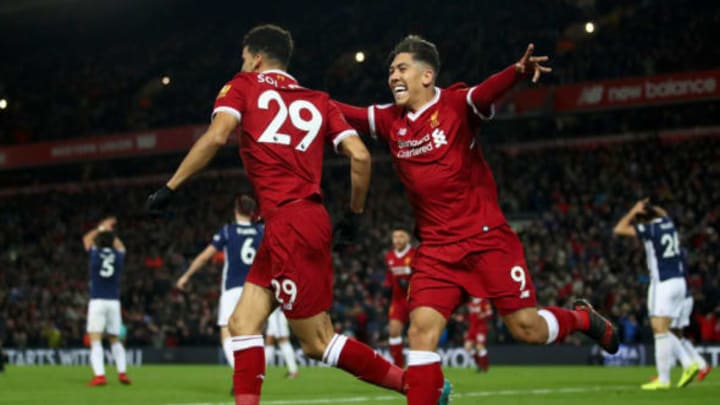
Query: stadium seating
{"points": [[564, 202]]}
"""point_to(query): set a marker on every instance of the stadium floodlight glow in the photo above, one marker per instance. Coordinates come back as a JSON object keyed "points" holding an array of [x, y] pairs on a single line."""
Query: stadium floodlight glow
{"points": [[165, 80], [359, 56], [589, 27], [3, 103]]}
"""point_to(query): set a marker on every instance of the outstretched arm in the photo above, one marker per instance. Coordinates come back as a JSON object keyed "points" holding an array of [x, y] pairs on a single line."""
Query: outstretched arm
{"points": [[357, 117], [197, 263], [482, 96], [624, 226]]}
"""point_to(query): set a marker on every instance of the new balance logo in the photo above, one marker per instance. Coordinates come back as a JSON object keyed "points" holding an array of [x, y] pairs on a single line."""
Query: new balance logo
{"points": [[591, 95], [402, 131], [439, 138], [260, 376]]}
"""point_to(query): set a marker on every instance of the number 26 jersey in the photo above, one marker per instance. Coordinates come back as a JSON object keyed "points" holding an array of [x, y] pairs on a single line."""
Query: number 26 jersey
{"points": [[283, 130]]}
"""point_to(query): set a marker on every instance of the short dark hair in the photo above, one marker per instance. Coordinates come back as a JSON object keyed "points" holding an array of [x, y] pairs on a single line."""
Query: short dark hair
{"points": [[271, 40], [650, 213], [421, 50], [245, 204], [105, 239]]}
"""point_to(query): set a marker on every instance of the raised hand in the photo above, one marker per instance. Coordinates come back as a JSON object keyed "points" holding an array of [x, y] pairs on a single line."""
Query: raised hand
{"points": [[529, 63]]}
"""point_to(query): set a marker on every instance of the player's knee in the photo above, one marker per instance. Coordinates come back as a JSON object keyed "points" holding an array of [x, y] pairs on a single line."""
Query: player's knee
{"points": [[239, 327], [314, 349], [528, 330], [422, 338]]}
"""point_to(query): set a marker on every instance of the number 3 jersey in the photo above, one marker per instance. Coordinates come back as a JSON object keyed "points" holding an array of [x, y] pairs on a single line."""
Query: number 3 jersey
{"points": [[662, 248], [106, 266], [283, 129], [239, 243]]}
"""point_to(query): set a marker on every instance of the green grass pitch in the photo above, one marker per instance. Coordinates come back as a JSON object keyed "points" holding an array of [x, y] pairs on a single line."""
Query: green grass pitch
{"points": [[210, 385]]}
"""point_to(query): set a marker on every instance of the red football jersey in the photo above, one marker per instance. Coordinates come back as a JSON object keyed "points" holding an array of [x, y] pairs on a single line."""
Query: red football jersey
{"points": [[440, 163], [438, 159], [399, 270], [479, 309], [280, 123]]}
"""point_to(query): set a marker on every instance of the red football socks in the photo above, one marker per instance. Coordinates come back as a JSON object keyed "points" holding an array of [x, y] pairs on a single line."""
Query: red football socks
{"points": [[249, 372], [362, 362], [423, 383], [569, 321], [396, 351]]}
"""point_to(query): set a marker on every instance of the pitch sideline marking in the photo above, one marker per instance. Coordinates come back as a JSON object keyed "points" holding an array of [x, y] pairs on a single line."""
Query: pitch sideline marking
{"points": [[535, 391]]}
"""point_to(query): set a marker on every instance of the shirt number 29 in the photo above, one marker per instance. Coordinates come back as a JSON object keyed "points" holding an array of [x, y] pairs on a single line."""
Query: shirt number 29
{"points": [[310, 126]]}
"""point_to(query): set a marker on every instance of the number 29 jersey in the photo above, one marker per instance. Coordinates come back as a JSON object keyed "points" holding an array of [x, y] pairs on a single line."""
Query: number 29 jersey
{"points": [[283, 129], [106, 266]]}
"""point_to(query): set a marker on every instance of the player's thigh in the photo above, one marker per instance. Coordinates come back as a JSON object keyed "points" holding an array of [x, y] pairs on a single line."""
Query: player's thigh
{"points": [[113, 315], [667, 298], [255, 305], [426, 325], [96, 319], [314, 333], [660, 324], [228, 301], [501, 274]]}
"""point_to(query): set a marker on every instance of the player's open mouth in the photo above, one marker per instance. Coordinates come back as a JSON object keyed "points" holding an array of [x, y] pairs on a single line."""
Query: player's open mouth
{"points": [[399, 89]]}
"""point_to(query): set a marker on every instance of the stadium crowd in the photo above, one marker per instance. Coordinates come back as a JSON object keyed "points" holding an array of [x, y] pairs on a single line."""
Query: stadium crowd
{"points": [[106, 78], [564, 203], [107, 64]]}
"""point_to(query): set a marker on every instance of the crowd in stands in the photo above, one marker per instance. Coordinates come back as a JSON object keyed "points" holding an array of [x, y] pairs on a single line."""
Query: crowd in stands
{"points": [[101, 74], [99, 71], [563, 202]]}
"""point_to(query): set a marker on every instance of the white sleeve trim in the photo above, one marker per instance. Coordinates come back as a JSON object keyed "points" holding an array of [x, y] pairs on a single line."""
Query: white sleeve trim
{"points": [[342, 136], [235, 113], [468, 98], [371, 121]]}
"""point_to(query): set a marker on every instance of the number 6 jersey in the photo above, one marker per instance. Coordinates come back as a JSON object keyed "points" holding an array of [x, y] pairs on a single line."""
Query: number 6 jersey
{"points": [[106, 266], [239, 242], [280, 122]]}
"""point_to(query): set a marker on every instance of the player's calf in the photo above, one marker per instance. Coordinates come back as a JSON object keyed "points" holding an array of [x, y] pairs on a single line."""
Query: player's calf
{"points": [[527, 325], [249, 372]]}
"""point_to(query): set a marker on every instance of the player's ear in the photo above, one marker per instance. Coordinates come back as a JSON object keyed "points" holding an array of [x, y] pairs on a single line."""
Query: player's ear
{"points": [[428, 77], [257, 60]]}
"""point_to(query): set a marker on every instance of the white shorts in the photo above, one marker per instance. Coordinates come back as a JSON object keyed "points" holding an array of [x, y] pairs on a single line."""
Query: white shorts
{"points": [[665, 298], [277, 324], [228, 301], [104, 316], [683, 321]]}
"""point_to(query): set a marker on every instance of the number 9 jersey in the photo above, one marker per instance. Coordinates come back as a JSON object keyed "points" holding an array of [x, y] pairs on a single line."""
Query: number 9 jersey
{"points": [[280, 122], [106, 266]]}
